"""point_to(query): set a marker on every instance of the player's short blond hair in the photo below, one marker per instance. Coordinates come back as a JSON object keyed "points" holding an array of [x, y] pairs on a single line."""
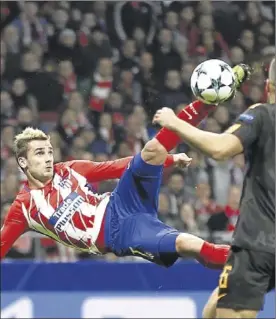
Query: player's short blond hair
{"points": [[22, 140]]}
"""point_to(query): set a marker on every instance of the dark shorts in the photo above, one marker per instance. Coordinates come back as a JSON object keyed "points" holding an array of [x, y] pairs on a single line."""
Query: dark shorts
{"points": [[132, 227], [247, 276]]}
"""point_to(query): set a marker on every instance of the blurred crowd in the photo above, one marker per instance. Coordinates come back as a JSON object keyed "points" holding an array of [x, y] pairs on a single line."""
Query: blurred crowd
{"points": [[92, 74]]}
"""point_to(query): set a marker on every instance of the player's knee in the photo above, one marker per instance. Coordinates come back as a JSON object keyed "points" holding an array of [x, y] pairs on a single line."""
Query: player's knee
{"points": [[188, 245], [154, 153], [181, 245]]}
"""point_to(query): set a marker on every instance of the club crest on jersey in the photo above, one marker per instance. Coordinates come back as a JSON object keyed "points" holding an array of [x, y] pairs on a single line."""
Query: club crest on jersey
{"points": [[65, 183], [247, 118], [65, 211]]}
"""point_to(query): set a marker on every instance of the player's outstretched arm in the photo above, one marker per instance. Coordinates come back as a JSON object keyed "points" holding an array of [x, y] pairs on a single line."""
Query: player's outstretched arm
{"points": [[13, 227], [101, 171], [218, 146]]}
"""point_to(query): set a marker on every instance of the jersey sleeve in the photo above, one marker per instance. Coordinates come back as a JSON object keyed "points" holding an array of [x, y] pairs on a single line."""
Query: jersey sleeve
{"points": [[101, 171], [15, 224], [248, 125]]}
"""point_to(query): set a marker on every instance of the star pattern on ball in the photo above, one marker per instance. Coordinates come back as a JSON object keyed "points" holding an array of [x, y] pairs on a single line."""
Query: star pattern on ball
{"points": [[213, 81]]}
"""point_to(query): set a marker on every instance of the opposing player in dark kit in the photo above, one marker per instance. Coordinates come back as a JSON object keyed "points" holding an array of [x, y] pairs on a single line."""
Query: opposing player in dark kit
{"points": [[250, 269]]}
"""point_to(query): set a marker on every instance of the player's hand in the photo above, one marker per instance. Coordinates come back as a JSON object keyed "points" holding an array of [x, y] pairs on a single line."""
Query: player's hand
{"points": [[165, 117], [181, 160]]}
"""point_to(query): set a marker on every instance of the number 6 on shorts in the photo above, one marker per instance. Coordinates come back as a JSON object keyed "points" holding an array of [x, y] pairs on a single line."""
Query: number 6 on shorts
{"points": [[223, 279]]}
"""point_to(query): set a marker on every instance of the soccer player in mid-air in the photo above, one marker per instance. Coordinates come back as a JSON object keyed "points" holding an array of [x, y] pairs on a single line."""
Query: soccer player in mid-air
{"points": [[57, 200], [249, 272]]}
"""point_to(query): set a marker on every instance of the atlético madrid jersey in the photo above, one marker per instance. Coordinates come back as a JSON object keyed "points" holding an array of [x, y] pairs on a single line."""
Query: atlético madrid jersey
{"points": [[66, 208]]}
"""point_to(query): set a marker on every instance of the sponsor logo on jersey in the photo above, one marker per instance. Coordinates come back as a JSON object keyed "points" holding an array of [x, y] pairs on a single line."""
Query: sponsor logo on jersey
{"points": [[247, 118], [65, 211], [65, 183], [192, 108], [189, 115]]}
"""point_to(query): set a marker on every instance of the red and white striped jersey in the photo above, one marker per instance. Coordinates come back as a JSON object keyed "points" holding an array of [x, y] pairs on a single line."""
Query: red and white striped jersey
{"points": [[66, 208]]}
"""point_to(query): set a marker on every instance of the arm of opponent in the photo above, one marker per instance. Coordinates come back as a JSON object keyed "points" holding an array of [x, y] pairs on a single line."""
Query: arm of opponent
{"points": [[218, 146], [13, 227], [100, 171]]}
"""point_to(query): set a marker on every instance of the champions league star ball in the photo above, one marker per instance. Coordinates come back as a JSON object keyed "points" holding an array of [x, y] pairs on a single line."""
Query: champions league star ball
{"points": [[213, 81]]}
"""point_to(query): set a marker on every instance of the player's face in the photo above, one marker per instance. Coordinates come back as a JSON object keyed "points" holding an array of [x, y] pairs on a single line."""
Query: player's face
{"points": [[40, 160]]}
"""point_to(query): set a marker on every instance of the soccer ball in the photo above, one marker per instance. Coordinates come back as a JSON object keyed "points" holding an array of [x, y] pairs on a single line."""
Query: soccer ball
{"points": [[213, 81]]}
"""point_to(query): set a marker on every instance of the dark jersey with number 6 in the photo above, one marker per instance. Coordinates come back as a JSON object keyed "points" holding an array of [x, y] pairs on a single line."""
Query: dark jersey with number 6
{"points": [[255, 228]]}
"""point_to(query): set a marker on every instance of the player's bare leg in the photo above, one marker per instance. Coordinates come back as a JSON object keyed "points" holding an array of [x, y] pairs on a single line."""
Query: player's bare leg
{"points": [[210, 255], [231, 313], [209, 311]]}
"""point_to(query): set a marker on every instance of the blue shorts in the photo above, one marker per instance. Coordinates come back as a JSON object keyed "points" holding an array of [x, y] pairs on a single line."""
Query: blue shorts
{"points": [[132, 227]]}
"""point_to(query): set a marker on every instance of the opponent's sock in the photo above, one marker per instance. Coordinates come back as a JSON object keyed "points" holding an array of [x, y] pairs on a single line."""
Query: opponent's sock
{"points": [[214, 256], [193, 113]]}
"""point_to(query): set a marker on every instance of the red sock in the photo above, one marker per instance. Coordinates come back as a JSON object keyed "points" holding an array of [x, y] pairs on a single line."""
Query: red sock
{"points": [[193, 113], [214, 256]]}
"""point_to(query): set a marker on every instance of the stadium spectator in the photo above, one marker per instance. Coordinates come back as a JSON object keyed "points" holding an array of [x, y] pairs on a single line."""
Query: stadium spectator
{"points": [[188, 218], [164, 212], [173, 93], [204, 205], [7, 137], [128, 16], [177, 192], [165, 56], [147, 84], [100, 88], [227, 218], [8, 111]]}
